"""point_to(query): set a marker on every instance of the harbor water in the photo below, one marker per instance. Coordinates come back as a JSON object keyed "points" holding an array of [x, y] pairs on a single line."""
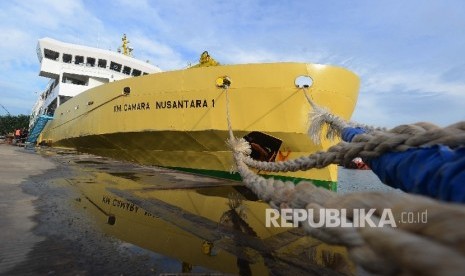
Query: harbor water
{"points": [[87, 215], [350, 180]]}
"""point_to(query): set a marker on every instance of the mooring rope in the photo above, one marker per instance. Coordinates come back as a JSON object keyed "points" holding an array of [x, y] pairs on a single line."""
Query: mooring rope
{"points": [[437, 247], [320, 116], [375, 142], [370, 145]]}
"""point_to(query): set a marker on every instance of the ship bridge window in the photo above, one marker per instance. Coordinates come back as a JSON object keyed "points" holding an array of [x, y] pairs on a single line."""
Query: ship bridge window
{"points": [[79, 60], [115, 66], [75, 79], [90, 61], [136, 72], [51, 54], [126, 70], [102, 63], [67, 58]]}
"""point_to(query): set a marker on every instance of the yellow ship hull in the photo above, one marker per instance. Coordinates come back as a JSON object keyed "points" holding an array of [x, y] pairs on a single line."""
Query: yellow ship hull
{"points": [[178, 120]]}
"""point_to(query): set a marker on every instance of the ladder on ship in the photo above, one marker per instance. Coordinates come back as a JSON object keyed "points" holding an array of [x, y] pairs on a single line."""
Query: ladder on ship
{"points": [[37, 129]]}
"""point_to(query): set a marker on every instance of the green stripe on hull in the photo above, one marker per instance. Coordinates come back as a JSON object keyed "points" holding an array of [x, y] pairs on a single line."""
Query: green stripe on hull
{"points": [[329, 185]]}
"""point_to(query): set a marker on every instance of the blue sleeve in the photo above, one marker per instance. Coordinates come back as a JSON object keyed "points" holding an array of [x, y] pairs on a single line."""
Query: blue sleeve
{"points": [[435, 171], [349, 133]]}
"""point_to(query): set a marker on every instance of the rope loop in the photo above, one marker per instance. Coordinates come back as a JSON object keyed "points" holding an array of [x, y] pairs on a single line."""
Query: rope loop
{"points": [[408, 249]]}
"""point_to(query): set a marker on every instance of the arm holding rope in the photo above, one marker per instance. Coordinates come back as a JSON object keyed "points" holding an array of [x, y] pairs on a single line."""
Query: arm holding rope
{"points": [[437, 171]]}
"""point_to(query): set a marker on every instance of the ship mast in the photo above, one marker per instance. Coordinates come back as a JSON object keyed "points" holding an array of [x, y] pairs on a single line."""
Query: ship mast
{"points": [[125, 49]]}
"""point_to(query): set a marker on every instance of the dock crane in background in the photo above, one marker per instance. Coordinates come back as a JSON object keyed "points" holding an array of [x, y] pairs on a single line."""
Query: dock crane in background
{"points": [[5, 109]]}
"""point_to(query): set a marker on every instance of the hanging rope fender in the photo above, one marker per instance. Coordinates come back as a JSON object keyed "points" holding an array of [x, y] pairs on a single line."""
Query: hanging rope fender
{"points": [[434, 248]]}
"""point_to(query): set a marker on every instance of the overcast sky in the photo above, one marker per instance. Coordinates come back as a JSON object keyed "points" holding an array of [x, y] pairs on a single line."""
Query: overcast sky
{"points": [[410, 55]]}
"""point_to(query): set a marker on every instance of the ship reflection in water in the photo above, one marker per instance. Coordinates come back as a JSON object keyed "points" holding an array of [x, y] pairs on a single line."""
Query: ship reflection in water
{"points": [[196, 224]]}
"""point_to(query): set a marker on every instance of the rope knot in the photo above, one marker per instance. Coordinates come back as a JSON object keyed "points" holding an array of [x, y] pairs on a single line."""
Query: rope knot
{"points": [[239, 145]]}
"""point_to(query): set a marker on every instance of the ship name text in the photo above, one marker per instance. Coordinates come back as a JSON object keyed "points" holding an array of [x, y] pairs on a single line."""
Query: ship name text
{"points": [[169, 104], [184, 104], [131, 106]]}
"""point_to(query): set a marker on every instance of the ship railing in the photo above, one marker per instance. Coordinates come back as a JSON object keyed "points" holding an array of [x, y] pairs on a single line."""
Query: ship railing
{"points": [[51, 94], [52, 84]]}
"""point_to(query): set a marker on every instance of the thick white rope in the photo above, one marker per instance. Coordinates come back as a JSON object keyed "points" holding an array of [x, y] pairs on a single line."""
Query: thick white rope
{"points": [[321, 116], [363, 246], [372, 144]]}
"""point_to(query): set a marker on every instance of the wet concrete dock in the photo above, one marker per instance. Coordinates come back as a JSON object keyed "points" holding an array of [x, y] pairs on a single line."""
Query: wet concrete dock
{"points": [[16, 218], [43, 232], [66, 213]]}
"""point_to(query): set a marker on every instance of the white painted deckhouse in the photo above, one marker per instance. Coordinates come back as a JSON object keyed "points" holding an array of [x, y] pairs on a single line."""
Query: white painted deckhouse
{"points": [[73, 69]]}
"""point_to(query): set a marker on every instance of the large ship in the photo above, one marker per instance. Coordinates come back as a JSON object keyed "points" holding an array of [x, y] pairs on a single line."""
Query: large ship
{"points": [[111, 104]]}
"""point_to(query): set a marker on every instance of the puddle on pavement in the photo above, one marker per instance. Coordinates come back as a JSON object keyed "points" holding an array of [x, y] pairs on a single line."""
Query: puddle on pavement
{"points": [[198, 224]]}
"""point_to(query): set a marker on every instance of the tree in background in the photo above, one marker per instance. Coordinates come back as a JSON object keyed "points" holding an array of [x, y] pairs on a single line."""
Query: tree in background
{"points": [[9, 123]]}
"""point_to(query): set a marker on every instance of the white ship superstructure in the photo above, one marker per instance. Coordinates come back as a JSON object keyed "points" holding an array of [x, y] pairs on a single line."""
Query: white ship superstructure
{"points": [[73, 69]]}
